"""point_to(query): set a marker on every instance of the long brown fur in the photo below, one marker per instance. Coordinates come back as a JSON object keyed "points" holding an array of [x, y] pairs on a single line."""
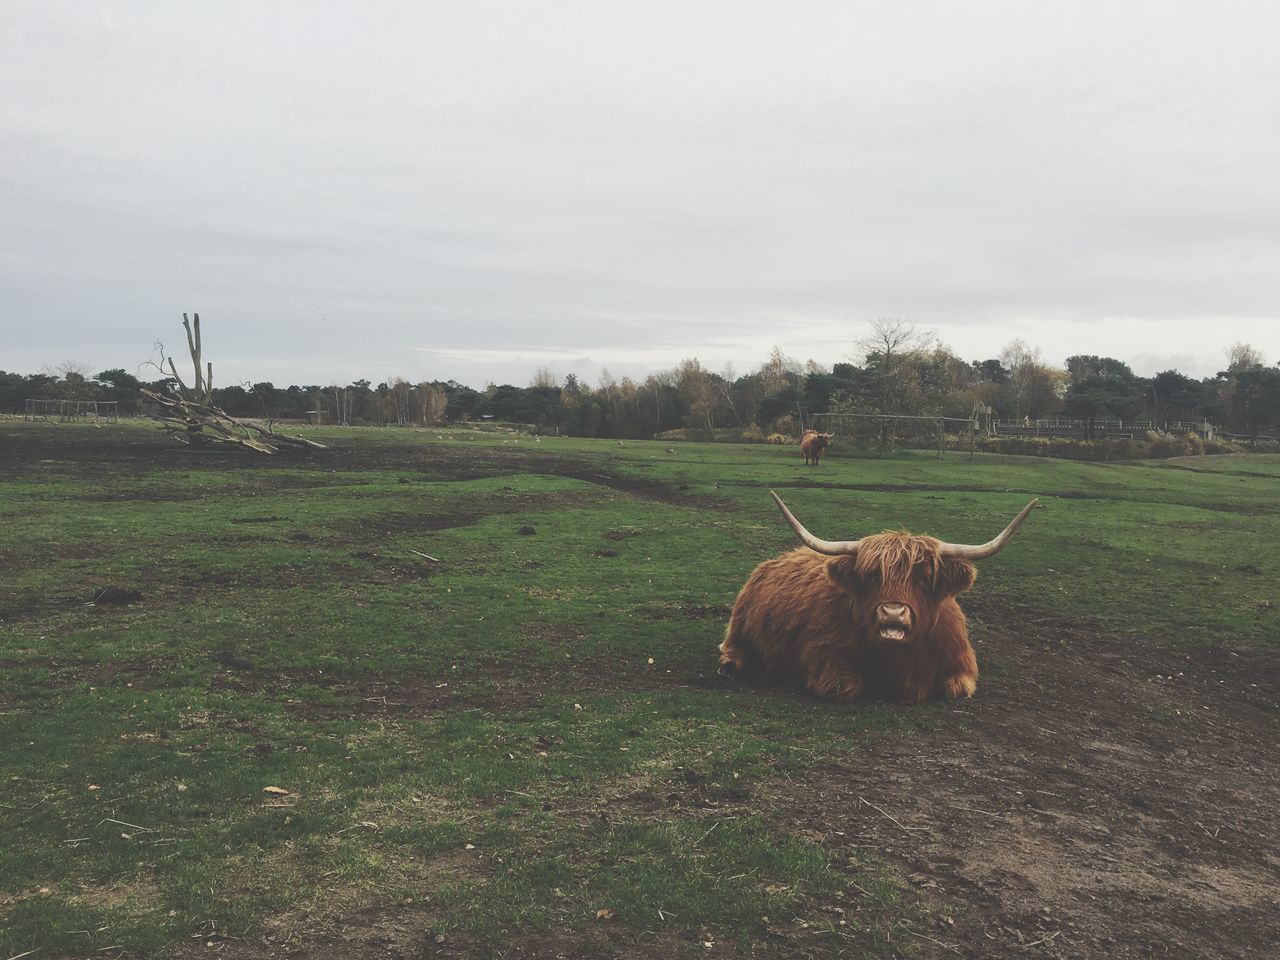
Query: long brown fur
{"points": [[811, 618], [813, 444]]}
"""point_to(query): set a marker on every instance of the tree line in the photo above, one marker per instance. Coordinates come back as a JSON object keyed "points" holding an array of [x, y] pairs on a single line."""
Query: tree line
{"points": [[899, 371]]}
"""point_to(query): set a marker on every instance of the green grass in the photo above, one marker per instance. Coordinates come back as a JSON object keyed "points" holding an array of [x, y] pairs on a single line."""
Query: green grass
{"points": [[542, 692]]}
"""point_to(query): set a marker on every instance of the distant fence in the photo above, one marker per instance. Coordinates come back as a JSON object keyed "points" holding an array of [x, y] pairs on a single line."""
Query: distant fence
{"points": [[888, 430], [73, 411], [1251, 438], [1102, 429], [899, 426]]}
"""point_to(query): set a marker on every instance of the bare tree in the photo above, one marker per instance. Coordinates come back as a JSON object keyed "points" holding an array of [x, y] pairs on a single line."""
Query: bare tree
{"points": [[724, 386], [543, 377], [1243, 356], [892, 337], [401, 400], [812, 368], [698, 391], [1032, 388], [191, 416], [434, 400], [73, 379], [779, 372], [887, 353], [341, 405], [608, 389], [656, 384]]}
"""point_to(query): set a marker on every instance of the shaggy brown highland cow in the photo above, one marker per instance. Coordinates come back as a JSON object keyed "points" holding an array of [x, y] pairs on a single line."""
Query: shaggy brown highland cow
{"points": [[813, 445], [877, 615]]}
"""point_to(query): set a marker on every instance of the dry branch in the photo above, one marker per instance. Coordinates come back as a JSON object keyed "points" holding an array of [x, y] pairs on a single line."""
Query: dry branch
{"points": [[895, 821], [191, 416]]}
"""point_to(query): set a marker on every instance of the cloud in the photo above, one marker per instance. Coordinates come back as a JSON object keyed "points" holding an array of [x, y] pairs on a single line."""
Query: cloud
{"points": [[629, 185]]}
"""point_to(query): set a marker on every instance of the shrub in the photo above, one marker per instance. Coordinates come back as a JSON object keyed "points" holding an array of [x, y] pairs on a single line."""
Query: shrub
{"points": [[1167, 445], [1065, 448], [1162, 444]]}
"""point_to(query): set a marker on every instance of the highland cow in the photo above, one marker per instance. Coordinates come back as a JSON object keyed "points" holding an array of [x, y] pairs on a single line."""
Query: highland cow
{"points": [[876, 616], [813, 445]]}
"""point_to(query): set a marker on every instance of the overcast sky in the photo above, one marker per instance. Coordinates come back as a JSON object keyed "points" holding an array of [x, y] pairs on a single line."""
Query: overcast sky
{"points": [[474, 190]]}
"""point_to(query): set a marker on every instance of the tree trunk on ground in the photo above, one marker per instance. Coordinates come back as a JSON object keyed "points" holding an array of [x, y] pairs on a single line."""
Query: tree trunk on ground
{"points": [[191, 416]]}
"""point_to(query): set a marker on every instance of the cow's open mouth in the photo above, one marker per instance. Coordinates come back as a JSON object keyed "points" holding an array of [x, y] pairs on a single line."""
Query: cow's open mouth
{"points": [[895, 634]]}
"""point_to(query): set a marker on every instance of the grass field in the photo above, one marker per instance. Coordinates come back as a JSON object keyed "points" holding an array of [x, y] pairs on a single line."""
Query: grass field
{"points": [[523, 749]]}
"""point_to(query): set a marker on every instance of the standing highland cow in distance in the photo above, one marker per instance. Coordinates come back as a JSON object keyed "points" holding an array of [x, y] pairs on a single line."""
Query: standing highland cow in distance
{"points": [[813, 445], [877, 615]]}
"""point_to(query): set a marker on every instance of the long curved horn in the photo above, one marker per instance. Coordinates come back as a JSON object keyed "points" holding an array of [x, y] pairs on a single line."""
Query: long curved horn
{"points": [[829, 547], [966, 552]]}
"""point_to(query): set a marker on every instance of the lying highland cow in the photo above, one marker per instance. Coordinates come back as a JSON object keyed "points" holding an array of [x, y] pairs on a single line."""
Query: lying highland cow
{"points": [[877, 615]]}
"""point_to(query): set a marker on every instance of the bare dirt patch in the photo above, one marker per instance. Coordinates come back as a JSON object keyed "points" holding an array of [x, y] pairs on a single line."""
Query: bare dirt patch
{"points": [[402, 932], [111, 896], [691, 611], [70, 672], [134, 453], [499, 688], [1100, 799]]}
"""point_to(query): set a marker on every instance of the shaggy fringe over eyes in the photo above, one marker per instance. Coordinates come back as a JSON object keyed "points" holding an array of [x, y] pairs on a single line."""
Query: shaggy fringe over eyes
{"points": [[895, 555]]}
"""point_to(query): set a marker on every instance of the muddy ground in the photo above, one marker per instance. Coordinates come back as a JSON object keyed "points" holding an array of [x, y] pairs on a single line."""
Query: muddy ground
{"points": [[1094, 800], [1099, 798], [1091, 802]]}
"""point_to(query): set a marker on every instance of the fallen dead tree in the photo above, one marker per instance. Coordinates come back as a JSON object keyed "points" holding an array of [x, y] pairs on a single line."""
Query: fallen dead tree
{"points": [[191, 416]]}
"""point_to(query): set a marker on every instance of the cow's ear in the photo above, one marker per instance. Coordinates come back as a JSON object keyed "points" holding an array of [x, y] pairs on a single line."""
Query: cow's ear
{"points": [[955, 576], [841, 571]]}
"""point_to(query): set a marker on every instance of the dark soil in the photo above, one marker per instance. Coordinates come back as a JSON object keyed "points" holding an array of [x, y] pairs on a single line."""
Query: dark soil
{"points": [[1096, 799], [127, 453]]}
